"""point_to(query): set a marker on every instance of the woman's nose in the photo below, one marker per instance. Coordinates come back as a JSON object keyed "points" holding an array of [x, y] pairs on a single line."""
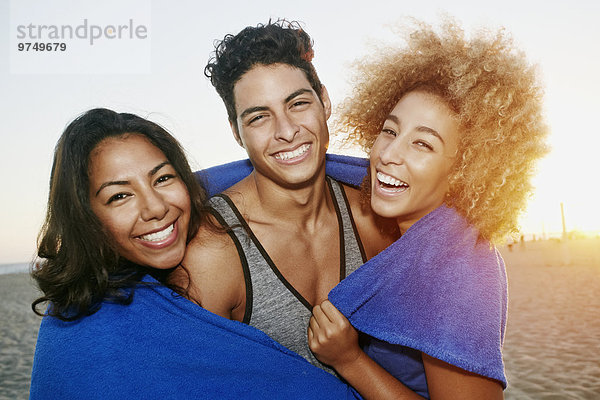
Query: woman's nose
{"points": [[153, 206], [393, 152]]}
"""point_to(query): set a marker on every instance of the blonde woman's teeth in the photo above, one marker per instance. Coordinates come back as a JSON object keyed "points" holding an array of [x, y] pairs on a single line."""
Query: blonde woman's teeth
{"points": [[390, 180]]}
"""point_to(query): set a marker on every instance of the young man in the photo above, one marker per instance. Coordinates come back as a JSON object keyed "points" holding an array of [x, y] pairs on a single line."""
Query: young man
{"points": [[295, 233]]}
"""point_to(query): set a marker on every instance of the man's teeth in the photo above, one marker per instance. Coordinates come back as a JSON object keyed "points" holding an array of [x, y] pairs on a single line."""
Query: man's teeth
{"points": [[389, 180], [292, 154], [158, 236]]}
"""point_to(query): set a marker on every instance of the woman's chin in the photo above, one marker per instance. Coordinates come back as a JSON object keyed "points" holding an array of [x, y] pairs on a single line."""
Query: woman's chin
{"points": [[166, 261]]}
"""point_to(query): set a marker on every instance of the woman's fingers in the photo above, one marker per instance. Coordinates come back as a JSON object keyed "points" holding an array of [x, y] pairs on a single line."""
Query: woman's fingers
{"points": [[320, 315], [331, 337], [332, 313]]}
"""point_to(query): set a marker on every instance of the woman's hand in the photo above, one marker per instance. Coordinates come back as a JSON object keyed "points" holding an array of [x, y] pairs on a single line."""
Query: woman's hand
{"points": [[335, 342], [331, 337]]}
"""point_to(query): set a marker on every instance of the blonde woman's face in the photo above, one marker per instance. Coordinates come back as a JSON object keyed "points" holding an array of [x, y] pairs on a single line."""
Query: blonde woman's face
{"points": [[412, 158]]}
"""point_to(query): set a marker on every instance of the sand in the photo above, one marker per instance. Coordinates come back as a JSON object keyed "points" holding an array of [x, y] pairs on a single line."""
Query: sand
{"points": [[18, 333], [552, 346]]}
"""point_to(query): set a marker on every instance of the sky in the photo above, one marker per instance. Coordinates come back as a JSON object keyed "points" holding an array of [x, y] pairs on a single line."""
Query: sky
{"points": [[158, 74]]}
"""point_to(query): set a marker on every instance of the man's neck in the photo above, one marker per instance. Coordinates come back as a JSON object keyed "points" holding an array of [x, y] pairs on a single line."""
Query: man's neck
{"points": [[303, 206]]}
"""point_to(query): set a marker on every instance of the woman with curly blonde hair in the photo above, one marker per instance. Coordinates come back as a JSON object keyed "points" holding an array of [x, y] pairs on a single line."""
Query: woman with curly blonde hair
{"points": [[453, 127]]}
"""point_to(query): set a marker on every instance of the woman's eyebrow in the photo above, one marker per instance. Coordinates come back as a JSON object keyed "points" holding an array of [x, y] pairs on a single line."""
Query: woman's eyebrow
{"points": [[152, 172], [111, 183], [426, 129], [157, 168], [420, 128], [393, 118]]}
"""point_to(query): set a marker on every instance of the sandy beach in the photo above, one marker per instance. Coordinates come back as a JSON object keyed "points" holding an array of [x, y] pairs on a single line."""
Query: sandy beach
{"points": [[552, 344], [18, 333], [552, 347]]}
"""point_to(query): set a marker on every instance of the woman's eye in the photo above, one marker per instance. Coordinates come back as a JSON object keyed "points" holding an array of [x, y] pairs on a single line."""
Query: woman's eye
{"points": [[116, 197], [165, 178], [388, 131], [424, 145]]}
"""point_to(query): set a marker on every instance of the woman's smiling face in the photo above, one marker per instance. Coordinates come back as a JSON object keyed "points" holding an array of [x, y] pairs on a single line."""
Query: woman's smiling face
{"points": [[140, 201], [413, 157]]}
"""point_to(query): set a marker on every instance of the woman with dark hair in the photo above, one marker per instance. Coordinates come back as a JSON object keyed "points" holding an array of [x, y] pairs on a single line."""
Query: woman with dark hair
{"points": [[123, 204], [81, 261]]}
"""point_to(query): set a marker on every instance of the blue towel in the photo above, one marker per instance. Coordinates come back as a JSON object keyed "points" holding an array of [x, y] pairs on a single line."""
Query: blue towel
{"points": [[163, 346], [437, 289], [346, 169]]}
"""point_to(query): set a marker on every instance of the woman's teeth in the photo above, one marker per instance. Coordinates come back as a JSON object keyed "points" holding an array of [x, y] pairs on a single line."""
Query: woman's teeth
{"points": [[158, 236], [292, 154], [389, 180]]}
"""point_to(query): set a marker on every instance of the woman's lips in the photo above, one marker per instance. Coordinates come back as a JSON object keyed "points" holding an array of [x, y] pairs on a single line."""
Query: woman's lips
{"points": [[160, 239], [389, 185]]}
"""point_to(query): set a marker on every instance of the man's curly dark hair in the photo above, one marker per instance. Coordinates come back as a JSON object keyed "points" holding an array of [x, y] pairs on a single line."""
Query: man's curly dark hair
{"points": [[279, 42]]}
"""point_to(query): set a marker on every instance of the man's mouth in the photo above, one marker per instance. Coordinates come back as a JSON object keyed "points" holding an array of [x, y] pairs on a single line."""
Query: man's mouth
{"points": [[289, 155]]}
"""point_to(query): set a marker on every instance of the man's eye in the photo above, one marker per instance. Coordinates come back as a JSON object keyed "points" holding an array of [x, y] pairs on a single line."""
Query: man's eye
{"points": [[255, 119]]}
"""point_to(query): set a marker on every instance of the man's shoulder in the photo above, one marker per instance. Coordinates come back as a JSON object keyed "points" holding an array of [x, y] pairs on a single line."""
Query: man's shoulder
{"points": [[211, 244], [240, 197], [353, 193], [357, 200], [213, 270]]}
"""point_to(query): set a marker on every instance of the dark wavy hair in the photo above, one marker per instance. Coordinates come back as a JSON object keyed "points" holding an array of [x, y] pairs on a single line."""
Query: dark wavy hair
{"points": [[80, 266], [279, 42]]}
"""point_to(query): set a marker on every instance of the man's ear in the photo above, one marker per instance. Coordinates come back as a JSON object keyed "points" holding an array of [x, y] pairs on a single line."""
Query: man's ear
{"points": [[236, 135], [326, 101]]}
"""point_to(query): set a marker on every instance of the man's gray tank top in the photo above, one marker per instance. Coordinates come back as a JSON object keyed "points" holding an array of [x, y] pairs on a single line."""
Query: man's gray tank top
{"points": [[272, 304]]}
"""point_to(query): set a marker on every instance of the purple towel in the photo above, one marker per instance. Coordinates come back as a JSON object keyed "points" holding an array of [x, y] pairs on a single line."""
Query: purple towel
{"points": [[437, 289]]}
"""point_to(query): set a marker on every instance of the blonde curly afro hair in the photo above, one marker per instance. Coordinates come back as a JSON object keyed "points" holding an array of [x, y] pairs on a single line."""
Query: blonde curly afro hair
{"points": [[497, 99]]}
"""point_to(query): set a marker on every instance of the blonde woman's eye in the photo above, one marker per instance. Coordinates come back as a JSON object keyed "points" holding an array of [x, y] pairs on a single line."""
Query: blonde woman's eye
{"points": [[388, 131], [424, 145]]}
